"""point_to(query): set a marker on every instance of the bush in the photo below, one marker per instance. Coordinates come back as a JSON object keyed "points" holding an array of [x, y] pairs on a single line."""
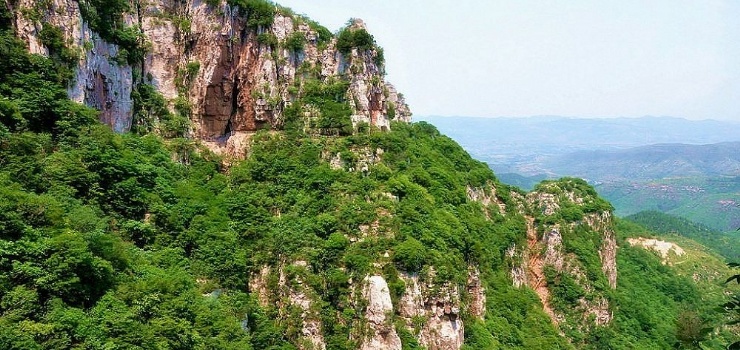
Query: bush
{"points": [[295, 42], [260, 13], [349, 39], [410, 255]]}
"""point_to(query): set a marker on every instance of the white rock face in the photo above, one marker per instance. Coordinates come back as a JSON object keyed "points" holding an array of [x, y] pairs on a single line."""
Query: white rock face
{"points": [[162, 61], [486, 196], [381, 332], [103, 84], [209, 56], [662, 247], [477, 293], [100, 82], [440, 307]]}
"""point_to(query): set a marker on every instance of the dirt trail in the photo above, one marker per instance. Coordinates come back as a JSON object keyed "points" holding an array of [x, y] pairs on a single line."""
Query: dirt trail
{"points": [[535, 273]]}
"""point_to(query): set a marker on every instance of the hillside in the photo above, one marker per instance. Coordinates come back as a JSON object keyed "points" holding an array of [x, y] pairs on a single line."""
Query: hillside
{"points": [[651, 162], [709, 201], [726, 244], [230, 175]]}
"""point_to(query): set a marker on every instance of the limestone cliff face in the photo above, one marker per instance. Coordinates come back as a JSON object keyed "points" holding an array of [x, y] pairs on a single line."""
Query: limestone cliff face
{"points": [[555, 208], [234, 77], [380, 333], [100, 80], [432, 312], [290, 293]]}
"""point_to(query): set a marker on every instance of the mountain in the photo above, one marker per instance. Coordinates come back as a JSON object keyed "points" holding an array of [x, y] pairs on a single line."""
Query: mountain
{"points": [[230, 175], [728, 245], [525, 145], [710, 201], [651, 162]]}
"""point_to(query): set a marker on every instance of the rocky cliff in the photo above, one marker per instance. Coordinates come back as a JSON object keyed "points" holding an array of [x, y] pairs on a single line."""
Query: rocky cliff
{"points": [[570, 256], [369, 242], [228, 69]]}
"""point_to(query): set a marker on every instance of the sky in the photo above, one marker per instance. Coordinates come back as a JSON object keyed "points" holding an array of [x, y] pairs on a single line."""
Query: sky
{"points": [[585, 58]]}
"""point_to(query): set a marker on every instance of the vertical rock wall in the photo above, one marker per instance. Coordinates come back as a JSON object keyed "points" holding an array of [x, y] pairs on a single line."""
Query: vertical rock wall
{"points": [[100, 81], [232, 77], [545, 249]]}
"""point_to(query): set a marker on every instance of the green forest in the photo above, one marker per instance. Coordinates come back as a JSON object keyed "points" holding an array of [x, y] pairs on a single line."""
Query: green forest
{"points": [[146, 240]]}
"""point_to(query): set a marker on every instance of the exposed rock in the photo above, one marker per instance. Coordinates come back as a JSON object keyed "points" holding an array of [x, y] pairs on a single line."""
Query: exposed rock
{"points": [[553, 242], [381, 332], [162, 61], [662, 247], [103, 84], [519, 267], [233, 79], [608, 256], [534, 268], [100, 81], [291, 293], [477, 293], [546, 203], [600, 311], [365, 157], [486, 196], [439, 306], [258, 285], [232, 147], [546, 250]]}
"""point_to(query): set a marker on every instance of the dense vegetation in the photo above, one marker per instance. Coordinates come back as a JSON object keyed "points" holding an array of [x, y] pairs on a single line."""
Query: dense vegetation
{"points": [[711, 201], [138, 241], [726, 244]]}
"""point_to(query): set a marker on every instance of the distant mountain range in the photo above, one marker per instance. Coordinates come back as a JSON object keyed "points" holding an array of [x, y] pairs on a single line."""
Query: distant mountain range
{"points": [[650, 162], [683, 167], [529, 146]]}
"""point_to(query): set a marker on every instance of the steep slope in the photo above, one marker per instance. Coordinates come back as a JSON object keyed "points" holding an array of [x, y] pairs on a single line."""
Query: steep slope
{"points": [[230, 68], [332, 232]]}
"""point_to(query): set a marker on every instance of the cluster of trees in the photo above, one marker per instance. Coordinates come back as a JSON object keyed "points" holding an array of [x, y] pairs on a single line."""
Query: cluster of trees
{"points": [[726, 244]]}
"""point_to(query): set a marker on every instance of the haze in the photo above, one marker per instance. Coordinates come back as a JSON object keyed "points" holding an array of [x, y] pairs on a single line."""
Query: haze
{"points": [[573, 58]]}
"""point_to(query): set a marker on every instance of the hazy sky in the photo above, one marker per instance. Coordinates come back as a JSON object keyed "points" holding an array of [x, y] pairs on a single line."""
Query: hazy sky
{"points": [[554, 57]]}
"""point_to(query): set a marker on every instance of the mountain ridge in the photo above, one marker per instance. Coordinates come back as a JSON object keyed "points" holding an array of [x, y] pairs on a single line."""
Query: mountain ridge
{"points": [[332, 223]]}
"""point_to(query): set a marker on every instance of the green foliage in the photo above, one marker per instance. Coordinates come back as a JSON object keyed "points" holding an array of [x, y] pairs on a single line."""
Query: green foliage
{"points": [[267, 39], [349, 39], [105, 17], [143, 240], [295, 42], [726, 244], [410, 255], [329, 98], [260, 13], [53, 39], [565, 290], [324, 36]]}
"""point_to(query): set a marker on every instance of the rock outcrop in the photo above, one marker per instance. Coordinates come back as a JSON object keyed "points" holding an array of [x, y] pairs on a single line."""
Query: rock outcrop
{"points": [[439, 307], [227, 75], [290, 292], [663, 248], [381, 333], [557, 207], [101, 80]]}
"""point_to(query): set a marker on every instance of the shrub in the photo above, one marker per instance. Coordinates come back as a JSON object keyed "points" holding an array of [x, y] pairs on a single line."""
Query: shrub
{"points": [[295, 42], [357, 38], [410, 255]]}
